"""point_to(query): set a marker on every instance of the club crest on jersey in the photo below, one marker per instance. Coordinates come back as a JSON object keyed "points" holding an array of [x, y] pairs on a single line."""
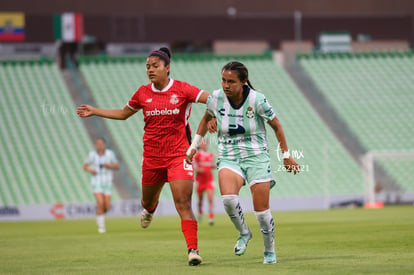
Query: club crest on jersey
{"points": [[250, 112], [174, 99]]}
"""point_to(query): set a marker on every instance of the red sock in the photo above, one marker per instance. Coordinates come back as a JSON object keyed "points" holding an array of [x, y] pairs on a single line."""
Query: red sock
{"points": [[152, 209], [189, 229], [211, 215]]}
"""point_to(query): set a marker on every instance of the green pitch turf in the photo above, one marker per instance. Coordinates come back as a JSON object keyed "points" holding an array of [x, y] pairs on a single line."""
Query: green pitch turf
{"points": [[345, 241]]}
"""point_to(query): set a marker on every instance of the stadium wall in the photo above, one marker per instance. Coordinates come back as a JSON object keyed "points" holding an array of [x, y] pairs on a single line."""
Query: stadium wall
{"points": [[132, 208], [137, 21]]}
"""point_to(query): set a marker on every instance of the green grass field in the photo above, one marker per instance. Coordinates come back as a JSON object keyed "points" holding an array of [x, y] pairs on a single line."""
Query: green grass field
{"points": [[343, 241]]}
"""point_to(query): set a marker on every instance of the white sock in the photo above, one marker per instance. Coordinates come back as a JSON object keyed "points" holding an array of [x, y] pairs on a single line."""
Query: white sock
{"points": [[100, 221], [235, 212], [267, 227]]}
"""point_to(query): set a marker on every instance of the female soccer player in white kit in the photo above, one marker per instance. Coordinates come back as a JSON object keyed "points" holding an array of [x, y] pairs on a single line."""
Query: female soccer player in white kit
{"points": [[100, 163], [241, 113]]}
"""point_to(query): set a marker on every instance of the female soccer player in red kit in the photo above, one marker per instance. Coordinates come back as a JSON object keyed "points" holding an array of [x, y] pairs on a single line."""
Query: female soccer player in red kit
{"points": [[203, 165], [166, 104]]}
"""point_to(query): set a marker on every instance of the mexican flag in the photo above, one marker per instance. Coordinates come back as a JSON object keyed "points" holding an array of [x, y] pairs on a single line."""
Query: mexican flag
{"points": [[68, 27]]}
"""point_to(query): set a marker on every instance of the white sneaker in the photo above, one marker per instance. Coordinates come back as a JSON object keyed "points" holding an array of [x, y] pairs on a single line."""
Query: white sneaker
{"points": [[101, 230], [193, 257], [146, 218]]}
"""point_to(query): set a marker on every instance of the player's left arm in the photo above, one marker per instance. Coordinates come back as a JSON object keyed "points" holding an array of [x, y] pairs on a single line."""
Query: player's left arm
{"points": [[113, 166], [202, 97], [195, 94], [288, 161], [212, 123]]}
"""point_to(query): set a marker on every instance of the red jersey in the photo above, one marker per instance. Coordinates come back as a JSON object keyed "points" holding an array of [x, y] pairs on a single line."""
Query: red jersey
{"points": [[204, 160], [166, 116]]}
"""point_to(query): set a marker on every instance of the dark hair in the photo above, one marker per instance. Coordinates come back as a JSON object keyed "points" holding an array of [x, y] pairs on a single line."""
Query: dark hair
{"points": [[163, 53], [241, 70]]}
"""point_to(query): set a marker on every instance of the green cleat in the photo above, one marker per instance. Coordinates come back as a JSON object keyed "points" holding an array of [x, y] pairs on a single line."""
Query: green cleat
{"points": [[269, 258], [241, 243]]}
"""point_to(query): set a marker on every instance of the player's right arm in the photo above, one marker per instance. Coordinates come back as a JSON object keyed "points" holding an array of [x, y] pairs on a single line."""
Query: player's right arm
{"points": [[120, 114], [87, 165]]}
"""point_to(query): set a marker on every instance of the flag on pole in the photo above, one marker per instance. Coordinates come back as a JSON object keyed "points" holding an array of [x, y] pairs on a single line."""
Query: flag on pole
{"points": [[68, 27], [12, 26]]}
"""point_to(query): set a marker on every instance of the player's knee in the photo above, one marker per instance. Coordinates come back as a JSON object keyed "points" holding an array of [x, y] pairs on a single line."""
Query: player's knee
{"points": [[100, 210], [182, 204], [107, 208], [230, 202]]}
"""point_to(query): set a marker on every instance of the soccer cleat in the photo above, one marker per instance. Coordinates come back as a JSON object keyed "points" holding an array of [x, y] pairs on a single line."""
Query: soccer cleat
{"points": [[269, 258], [101, 230], [193, 257], [241, 243], [146, 218], [211, 222]]}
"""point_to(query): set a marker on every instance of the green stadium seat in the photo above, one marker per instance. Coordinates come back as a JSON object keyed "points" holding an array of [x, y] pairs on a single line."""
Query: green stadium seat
{"points": [[373, 94], [44, 143]]}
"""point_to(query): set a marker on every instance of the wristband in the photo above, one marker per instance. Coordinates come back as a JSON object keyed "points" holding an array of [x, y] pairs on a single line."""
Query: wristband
{"points": [[196, 142], [286, 155]]}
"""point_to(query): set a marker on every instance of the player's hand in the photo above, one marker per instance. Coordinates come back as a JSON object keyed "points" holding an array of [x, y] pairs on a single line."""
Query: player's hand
{"points": [[291, 165], [212, 126], [189, 158], [85, 110], [92, 171], [108, 166]]}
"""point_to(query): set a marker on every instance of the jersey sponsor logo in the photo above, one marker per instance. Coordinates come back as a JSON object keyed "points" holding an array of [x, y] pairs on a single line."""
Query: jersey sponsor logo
{"points": [[250, 113], [165, 112], [222, 113], [148, 100], [174, 99], [235, 129], [238, 140]]}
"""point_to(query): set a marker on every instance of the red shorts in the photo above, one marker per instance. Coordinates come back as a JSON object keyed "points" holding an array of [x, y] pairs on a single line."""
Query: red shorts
{"points": [[160, 170], [204, 186]]}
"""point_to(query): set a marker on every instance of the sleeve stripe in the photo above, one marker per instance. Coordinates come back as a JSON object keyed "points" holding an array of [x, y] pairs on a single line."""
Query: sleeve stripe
{"points": [[198, 96], [132, 108]]}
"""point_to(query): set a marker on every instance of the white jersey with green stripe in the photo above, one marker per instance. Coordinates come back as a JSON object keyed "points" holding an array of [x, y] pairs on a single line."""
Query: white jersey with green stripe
{"points": [[241, 129], [95, 161]]}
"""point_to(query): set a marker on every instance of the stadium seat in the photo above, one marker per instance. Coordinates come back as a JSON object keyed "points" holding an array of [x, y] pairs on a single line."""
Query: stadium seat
{"points": [[44, 143], [373, 95]]}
